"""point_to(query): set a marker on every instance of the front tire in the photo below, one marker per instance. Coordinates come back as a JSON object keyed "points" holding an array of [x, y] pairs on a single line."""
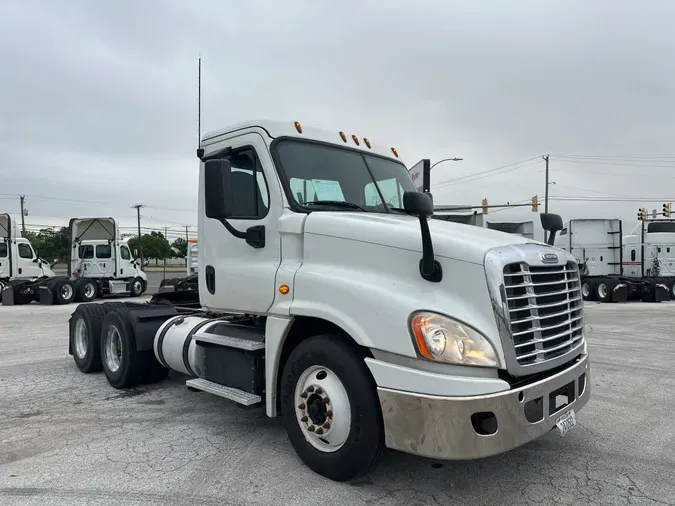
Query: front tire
{"points": [[136, 289], [330, 408]]}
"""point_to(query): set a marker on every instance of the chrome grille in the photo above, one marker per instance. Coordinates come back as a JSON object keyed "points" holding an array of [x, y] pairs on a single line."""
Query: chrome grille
{"points": [[545, 311]]}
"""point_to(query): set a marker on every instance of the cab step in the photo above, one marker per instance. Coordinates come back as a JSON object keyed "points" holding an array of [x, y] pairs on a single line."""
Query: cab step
{"points": [[233, 394], [229, 341]]}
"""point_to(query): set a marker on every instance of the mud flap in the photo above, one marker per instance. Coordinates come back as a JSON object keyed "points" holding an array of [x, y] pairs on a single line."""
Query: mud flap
{"points": [[620, 293], [661, 293], [46, 296], [8, 296]]}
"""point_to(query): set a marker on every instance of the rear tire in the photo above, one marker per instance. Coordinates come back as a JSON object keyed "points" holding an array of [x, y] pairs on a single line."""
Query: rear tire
{"points": [[588, 287], [346, 409], [63, 290], [123, 365], [603, 289], [85, 331], [86, 290]]}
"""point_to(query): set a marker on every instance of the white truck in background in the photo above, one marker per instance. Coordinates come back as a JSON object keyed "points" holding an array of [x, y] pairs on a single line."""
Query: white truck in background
{"points": [[328, 297], [18, 259], [185, 289], [616, 267], [100, 264]]}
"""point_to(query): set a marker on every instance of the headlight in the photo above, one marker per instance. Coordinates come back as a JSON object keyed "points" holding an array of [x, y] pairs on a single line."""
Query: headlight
{"points": [[442, 339]]}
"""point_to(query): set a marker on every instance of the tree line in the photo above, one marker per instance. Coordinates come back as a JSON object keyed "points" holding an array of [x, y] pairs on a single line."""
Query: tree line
{"points": [[55, 245]]}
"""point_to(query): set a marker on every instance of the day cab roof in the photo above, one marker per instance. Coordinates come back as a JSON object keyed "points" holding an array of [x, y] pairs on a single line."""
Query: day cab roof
{"points": [[276, 129]]}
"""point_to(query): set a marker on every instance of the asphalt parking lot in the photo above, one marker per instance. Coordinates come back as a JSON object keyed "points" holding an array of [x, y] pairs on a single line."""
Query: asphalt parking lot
{"points": [[67, 438]]}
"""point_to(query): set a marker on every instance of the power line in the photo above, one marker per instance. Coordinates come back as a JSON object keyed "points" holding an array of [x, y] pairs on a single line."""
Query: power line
{"points": [[607, 162], [490, 172], [615, 157], [594, 199]]}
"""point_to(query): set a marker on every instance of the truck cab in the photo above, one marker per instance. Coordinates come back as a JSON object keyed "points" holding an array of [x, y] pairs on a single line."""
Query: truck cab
{"points": [[329, 297], [18, 259]]}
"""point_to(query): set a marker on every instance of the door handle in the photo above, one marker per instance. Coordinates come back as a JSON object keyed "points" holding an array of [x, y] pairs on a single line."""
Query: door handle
{"points": [[20, 270]]}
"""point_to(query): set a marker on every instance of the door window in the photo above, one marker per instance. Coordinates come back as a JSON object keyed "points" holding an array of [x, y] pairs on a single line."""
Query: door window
{"points": [[25, 251], [125, 253], [250, 196], [86, 252]]}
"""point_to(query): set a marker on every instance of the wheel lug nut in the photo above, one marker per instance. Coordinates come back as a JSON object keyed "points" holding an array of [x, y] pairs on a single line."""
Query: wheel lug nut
{"points": [[310, 388], [319, 431], [329, 413], [310, 428], [319, 390], [304, 419], [326, 425], [303, 395], [326, 400], [302, 406]]}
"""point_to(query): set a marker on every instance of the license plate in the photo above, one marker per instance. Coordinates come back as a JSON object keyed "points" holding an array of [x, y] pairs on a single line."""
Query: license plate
{"points": [[566, 422]]}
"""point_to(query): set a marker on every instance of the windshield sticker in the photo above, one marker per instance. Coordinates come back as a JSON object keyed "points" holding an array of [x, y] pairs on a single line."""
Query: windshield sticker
{"points": [[328, 190]]}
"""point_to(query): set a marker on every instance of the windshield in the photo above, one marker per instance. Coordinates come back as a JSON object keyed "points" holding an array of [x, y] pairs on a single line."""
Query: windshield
{"points": [[347, 178]]}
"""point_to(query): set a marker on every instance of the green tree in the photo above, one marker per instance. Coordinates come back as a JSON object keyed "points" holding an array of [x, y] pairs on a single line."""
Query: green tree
{"points": [[154, 245], [50, 244], [180, 246]]}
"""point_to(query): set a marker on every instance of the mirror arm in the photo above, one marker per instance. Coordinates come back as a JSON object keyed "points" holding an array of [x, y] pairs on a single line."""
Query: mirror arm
{"points": [[430, 268], [232, 230], [254, 236]]}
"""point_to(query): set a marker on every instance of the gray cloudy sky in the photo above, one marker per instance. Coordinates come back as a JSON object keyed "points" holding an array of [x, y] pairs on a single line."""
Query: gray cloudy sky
{"points": [[98, 98]]}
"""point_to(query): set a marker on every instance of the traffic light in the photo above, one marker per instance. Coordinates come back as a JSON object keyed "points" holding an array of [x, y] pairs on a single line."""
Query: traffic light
{"points": [[642, 214], [666, 209], [485, 206], [535, 204]]}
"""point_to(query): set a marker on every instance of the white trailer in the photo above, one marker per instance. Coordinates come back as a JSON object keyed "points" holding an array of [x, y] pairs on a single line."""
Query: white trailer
{"points": [[100, 264], [329, 298], [616, 267]]}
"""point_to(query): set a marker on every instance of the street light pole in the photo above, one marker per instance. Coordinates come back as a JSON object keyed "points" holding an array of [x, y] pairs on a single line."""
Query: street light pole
{"points": [[446, 160]]}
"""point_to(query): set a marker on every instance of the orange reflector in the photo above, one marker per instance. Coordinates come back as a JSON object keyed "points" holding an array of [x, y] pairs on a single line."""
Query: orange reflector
{"points": [[298, 127], [356, 139], [343, 136], [367, 142], [393, 150], [420, 323], [283, 289]]}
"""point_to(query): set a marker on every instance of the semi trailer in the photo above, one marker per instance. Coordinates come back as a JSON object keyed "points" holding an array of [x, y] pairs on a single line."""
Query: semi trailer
{"points": [[616, 267], [328, 297], [100, 264]]}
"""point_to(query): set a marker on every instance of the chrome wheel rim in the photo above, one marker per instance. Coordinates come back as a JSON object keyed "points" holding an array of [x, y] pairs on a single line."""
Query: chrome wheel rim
{"points": [[602, 290], [81, 338], [66, 291], [137, 286], [322, 409], [585, 290], [89, 291], [113, 349]]}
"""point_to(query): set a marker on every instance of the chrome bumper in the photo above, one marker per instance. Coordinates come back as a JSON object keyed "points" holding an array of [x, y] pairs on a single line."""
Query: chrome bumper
{"points": [[463, 428]]}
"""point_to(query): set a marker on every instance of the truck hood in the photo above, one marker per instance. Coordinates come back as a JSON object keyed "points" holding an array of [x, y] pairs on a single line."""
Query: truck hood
{"points": [[93, 229], [457, 241]]}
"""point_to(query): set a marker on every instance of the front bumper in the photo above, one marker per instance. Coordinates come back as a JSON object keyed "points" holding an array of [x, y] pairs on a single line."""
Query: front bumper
{"points": [[463, 428]]}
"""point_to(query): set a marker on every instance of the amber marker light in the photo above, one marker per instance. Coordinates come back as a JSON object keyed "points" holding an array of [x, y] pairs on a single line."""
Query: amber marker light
{"points": [[343, 136], [298, 126], [393, 150], [367, 142], [283, 289], [421, 325], [356, 139]]}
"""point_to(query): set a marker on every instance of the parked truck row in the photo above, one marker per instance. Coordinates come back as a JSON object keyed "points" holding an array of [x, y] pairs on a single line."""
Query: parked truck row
{"points": [[328, 296], [100, 264], [616, 267]]}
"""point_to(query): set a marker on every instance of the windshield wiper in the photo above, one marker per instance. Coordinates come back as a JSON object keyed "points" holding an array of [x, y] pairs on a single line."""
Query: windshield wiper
{"points": [[337, 203]]}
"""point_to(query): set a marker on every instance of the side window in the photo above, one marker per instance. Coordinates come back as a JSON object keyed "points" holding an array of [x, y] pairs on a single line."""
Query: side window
{"points": [[250, 196], [125, 253], [25, 251], [391, 190], [103, 251], [86, 252], [632, 255], [3, 250]]}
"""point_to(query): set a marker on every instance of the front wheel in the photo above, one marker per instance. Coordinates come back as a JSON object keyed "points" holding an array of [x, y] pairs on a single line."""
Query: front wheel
{"points": [[136, 287], [330, 408]]}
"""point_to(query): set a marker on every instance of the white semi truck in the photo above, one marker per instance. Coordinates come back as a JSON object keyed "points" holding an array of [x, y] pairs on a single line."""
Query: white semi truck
{"points": [[100, 264], [616, 267], [329, 298]]}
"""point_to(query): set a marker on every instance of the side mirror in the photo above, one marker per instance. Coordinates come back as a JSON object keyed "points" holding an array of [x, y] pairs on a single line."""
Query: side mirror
{"points": [[217, 189], [36, 260], [146, 263], [552, 223], [418, 204]]}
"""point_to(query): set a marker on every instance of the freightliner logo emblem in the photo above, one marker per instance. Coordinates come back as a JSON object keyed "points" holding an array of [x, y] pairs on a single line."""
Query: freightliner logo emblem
{"points": [[549, 258]]}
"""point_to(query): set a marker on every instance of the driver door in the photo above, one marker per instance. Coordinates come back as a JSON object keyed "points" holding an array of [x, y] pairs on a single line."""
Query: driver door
{"points": [[27, 261]]}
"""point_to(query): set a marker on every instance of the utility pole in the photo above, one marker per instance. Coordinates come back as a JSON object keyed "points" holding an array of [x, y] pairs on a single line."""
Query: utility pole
{"points": [[546, 194], [140, 243], [187, 237], [23, 214]]}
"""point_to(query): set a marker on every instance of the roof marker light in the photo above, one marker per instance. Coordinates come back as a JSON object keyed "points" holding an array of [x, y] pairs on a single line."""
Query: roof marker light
{"points": [[367, 142], [343, 136], [298, 127], [356, 139], [393, 150]]}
